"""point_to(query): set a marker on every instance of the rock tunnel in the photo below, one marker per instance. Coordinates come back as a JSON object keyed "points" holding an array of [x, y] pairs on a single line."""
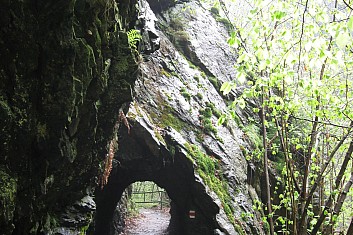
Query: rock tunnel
{"points": [[143, 157]]}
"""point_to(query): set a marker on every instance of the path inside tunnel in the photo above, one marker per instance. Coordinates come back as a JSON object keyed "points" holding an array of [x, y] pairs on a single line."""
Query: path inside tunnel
{"points": [[149, 221]]}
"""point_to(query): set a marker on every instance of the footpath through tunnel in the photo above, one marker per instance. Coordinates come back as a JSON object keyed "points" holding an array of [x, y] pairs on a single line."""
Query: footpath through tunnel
{"points": [[142, 156], [148, 210]]}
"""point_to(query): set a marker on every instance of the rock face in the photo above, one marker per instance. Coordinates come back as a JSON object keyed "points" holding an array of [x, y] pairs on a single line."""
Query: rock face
{"points": [[69, 71], [172, 137], [66, 70]]}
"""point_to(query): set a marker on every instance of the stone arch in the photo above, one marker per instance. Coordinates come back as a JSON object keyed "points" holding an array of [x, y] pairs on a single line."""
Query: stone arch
{"points": [[144, 157]]}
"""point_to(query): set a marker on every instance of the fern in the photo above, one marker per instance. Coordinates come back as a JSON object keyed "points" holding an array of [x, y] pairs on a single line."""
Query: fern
{"points": [[133, 36]]}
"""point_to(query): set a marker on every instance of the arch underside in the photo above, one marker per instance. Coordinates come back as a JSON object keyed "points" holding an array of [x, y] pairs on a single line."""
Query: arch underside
{"points": [[142, 157]]}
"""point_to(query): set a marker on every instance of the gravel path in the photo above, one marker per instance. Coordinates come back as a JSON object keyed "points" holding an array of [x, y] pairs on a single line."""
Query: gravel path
{"points": [[148, 222]]}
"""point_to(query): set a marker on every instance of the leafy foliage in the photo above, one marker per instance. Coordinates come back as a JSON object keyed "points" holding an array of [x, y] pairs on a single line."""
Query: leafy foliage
{"points": [[295, 58]]}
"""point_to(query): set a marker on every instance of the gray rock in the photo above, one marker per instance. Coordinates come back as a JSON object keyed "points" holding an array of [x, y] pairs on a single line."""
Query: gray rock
{"points": [[194, 58]]}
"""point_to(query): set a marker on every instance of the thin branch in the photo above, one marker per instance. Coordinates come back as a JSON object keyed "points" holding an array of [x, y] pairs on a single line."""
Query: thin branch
{"points": [[318, 179], [321, 122], [338, 181], [339, 204], [345, 3], [302, 33]]}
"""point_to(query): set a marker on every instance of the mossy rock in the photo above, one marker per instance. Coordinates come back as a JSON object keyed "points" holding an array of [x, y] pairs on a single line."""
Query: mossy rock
{"points": [[8, 189]]}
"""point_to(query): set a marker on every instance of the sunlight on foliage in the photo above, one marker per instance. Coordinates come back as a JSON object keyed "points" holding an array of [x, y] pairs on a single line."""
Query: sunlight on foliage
{"points": [[296, 59]]}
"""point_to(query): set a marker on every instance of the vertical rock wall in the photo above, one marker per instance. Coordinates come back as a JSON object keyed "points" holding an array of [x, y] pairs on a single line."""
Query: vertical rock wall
{"points": [[179, 90], [66, 69]]}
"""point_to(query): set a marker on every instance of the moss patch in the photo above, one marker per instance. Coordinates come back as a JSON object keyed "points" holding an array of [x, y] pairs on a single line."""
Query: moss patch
{"points": [[186, 94], [205, 118], [8, 188], [168, 117], [209, 170]]}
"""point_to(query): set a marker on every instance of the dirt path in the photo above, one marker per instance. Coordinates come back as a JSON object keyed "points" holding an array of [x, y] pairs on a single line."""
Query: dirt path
{"points": [[148, 222]]}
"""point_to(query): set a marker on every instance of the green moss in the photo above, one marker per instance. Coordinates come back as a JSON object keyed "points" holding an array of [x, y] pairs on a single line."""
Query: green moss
{"points": [[206, 112], [165, 73], [215, 111], [216, 84], [138, 110], [186, 94], [167, 117], [170, 120], [208, 127], [84, 230], [176, 24], [209, 170], [8, 189], [191, 65], [50, 222], [122, 65], [252, 133], [159, 136], [205, 119], [199, 136], [180, 37], [225, 22], [169, 97], [215, 11], [175, 74], [237, 119], [42, 131]]}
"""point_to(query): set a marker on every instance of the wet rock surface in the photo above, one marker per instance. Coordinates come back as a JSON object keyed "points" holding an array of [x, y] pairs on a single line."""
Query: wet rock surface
{"points": [[64, 75], [180, 82], [176, 105]]}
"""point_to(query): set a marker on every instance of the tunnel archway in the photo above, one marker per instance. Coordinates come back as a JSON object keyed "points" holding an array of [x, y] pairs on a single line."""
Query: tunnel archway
{"points": [[148, 210], [144, 157]]}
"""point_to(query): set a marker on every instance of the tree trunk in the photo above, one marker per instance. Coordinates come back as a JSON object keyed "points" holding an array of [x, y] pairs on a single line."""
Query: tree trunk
{"points": [[339, 204], [267, 178]]}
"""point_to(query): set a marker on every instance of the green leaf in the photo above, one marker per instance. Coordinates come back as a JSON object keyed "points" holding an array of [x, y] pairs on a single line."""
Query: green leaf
{"points": [[221, 120], [342, 39], [241, 103], [226, 88], [350, 23], [241, 76], [279, 15]]}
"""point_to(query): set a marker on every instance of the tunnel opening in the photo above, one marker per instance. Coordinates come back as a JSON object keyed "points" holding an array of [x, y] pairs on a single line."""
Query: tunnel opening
{"points": [[148, 210], [144, 157]]}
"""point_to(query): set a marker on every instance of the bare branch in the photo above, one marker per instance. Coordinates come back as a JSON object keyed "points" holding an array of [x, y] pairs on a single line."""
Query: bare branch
{"points": [[338, 180], [302, 33], [321, 122], [345, 3]]}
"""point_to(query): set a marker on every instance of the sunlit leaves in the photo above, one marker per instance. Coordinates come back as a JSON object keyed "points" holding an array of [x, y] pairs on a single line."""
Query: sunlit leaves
{"points": [[350, 23], [303, 71], [342, 39], [278, 15], [226, 88]]}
